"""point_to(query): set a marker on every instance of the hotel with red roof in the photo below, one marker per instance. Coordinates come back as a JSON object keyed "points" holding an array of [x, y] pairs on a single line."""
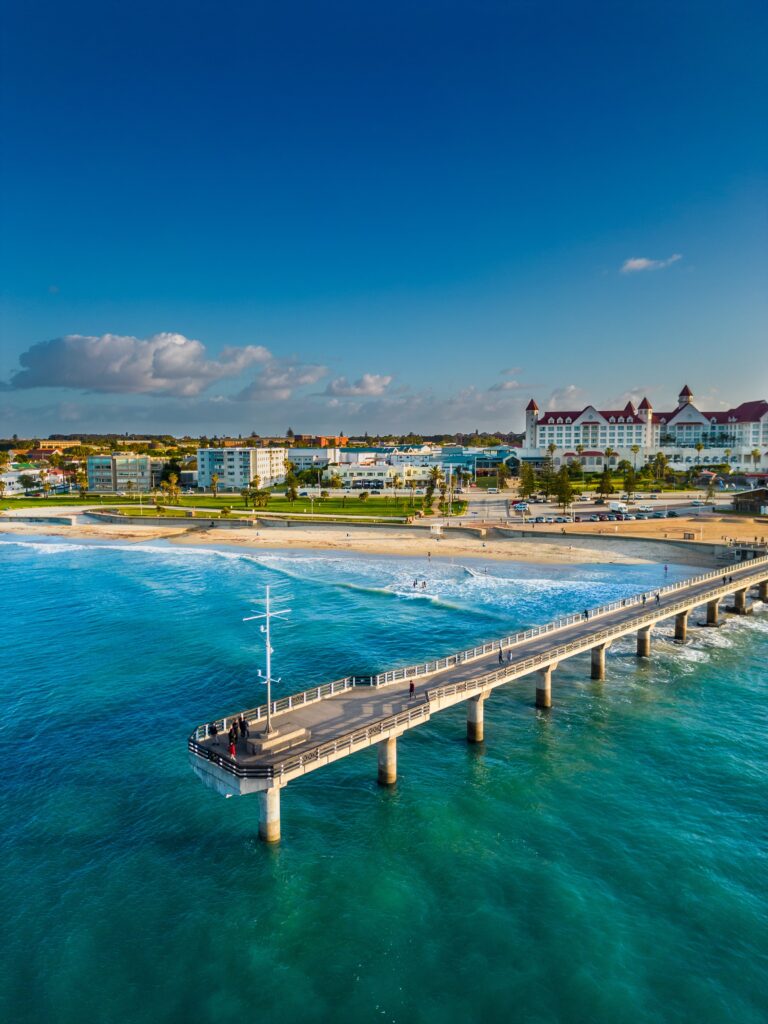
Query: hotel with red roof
{"points": [[686, 435]]}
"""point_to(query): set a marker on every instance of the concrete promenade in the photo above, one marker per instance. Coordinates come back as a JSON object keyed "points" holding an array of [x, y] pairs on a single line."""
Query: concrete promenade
{"points": [[323, 724]]}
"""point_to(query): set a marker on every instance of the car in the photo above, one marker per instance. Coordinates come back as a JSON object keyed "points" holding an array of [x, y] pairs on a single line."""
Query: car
{"points": [[630, 516], [658, 515], [592, 519], [697, 501], [654, 495], [672, 514], [561, 519], [583, 497], [539, 519], [303, 494], [549, 519], [493, 490]]}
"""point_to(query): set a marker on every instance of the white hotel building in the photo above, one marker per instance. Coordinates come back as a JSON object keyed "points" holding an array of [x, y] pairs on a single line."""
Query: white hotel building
{"points": [[236, 467], [730, 435]]}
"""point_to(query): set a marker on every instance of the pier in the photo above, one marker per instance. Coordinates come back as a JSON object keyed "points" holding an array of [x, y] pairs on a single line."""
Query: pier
{"points": [[325, 723]]}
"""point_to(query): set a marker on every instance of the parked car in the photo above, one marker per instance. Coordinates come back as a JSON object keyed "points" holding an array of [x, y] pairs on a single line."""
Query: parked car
{"points": [[672, 514]]}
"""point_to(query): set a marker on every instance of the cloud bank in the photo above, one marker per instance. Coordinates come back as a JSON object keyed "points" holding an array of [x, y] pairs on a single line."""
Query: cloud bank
{"points": [[163, 364]]}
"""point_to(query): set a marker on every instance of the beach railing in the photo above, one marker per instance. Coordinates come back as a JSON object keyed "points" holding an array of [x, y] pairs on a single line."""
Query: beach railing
{"points": [[421, 669]]}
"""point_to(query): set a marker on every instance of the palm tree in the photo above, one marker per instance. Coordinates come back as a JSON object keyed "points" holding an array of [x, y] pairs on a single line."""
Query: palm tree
{"points": [[634, 449], [214, 484], [412, 489], [755, 455], [2, 488], [579, 452], [699, 448], [129, 485]]}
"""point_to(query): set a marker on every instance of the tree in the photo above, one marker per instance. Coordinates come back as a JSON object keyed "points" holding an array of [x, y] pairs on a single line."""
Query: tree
{"points": [[547, 477], [260, 498], [710, 490], [755, 455], [630, 481], [82, 482], [699, 448], [397, 481], [2, 488], [129, 486], [45, 482], [363, 495], [336, 481], [214, 484], [502, 474], [291, 493], [605, 484], [579, 452], [660, 463], [27, 481], [255, 483], [412, 489], [527, 480], [173, 487], [563, 488], [634, 449]]}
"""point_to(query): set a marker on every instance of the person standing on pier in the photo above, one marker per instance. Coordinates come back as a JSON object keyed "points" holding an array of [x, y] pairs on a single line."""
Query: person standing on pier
{"points": [[411, 690], [501, 657]]}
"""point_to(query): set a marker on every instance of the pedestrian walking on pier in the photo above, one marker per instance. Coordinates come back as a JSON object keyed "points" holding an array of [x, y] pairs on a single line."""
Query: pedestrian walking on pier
{"points": [[658, 598], [411, 690], [243, 726], [213, 732], [501, 656], [232, 751], [586, 614]]}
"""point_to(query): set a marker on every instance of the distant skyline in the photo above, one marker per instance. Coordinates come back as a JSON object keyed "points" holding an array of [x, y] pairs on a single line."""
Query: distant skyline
{"points": [[232, 218]]}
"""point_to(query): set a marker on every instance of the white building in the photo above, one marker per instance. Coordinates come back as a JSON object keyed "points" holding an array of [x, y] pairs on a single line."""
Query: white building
{"points": [[686, 435], [237, 467], [378, 475]]}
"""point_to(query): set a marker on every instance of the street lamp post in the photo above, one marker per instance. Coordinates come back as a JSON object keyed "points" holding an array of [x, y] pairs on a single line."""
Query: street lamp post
{"points": [[268, 615]]}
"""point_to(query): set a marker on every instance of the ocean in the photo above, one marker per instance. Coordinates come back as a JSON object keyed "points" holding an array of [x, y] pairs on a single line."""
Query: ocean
{"points": [[602, 862]]}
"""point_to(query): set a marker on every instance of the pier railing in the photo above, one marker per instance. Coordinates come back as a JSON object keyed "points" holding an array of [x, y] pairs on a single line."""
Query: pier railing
{"points": [[316, 693]]}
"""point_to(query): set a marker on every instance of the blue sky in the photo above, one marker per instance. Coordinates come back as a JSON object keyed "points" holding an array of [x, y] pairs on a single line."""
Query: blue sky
{"points": [[226, 217]]}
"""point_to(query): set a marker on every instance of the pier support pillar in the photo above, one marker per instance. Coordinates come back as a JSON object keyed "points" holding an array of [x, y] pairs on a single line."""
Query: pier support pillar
{"points": [[713, 608], [644, 642], [740, 601], [762, 591], [269, 815], [681, 626], [388, 761], [598, 661], [476, 718], [544, 687]]}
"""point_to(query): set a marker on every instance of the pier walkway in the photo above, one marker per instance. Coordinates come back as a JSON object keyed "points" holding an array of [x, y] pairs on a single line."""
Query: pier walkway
{"points": [[322, 724]]}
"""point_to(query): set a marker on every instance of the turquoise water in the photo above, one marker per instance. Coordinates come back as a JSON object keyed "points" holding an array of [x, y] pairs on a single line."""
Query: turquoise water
{"points": [[604, 862]]}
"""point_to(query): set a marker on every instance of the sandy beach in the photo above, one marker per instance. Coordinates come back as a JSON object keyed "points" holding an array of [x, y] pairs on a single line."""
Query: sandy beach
{"points": [[584, 546]]}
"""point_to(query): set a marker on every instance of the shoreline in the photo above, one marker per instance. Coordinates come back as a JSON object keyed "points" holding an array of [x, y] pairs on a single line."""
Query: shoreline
{"points": [[571, 550]]}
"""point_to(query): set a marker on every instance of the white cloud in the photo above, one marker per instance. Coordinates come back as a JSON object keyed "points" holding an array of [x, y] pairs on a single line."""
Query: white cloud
{"points": [[638, 263], [279, 379], [568, 397], [163, 364], [369, 385]]}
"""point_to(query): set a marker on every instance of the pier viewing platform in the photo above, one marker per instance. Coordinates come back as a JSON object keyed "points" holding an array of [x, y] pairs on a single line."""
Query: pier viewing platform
{"points": [[315, 727]]}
